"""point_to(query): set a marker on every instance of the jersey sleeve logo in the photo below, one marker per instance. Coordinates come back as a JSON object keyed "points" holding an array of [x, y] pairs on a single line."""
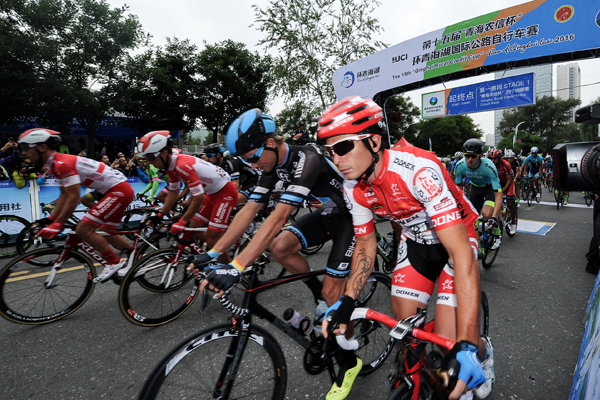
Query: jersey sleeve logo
{"points": [[427, 184]]}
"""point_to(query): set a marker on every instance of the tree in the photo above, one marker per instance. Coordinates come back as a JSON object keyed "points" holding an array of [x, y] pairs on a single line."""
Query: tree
{"points": [[525, 141], [76, 49], [447, 134], [231, 81], [313, 38], [402, 115], [544, 119], [290, 118], [158, 88]]}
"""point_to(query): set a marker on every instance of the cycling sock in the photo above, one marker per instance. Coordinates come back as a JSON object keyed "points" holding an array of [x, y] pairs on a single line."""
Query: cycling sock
{"points": [[315, 286], [346, 360], [110, 257]]}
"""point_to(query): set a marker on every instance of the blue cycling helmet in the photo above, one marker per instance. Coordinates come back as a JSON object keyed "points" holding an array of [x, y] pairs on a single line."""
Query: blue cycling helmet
{"points": [[213, 149], [248, 131]]}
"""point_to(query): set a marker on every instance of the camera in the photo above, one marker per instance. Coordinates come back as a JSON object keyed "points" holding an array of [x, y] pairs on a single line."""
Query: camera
{"points": [[577, 165]]}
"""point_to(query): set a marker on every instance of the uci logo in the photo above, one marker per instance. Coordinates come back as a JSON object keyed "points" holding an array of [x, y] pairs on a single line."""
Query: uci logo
{"points": [[348, 79]]}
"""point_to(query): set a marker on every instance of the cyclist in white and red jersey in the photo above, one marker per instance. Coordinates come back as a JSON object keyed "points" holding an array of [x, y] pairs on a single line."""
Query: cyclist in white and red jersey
{"points": [[41, 145], [213, 194], [410, 186]]}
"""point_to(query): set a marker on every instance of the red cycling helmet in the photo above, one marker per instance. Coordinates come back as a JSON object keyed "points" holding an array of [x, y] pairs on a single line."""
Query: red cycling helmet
{"points": [[495, 153], [351, 115]]}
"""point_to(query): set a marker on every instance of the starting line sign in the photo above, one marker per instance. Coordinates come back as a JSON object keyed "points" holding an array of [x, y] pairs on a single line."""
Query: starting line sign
{"points": [[514, 91]]}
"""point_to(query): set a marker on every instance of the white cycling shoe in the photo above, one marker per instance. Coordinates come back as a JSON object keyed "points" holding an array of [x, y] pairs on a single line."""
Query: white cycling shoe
{"points": [[485, 389], [110, 270], [512, 229]]}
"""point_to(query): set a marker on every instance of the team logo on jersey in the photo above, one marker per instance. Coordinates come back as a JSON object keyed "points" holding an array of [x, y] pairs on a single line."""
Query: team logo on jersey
{"points": [[399, 278], [445, 203], [448, 284], [427, 184], [283, 175]]}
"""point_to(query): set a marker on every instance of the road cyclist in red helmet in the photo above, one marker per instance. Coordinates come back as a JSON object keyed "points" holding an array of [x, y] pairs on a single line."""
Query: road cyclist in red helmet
{"points": [[213, 194], [41, 147], [409, 186]]}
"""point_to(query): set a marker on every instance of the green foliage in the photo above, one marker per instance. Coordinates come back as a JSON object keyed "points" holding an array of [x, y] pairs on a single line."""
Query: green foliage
{"points": [[289, 119], [402, 115], [232, 80], [546, 119], [447, 134], [524, 142], [312, 39]]}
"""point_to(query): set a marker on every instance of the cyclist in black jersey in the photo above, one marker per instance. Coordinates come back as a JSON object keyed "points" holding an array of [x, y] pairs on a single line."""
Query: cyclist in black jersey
{"points": [[304, 172], [243, 176]]}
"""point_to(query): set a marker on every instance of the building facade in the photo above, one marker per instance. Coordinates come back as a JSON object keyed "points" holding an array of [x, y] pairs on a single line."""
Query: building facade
{"points": [[568, 83]]}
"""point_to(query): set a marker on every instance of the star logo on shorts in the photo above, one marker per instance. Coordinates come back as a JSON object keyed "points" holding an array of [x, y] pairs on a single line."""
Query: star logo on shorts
{"points": [[399, 278], [448, 284]]}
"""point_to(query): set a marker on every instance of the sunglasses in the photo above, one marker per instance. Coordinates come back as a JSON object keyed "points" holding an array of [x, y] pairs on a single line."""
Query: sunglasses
{"points": [[152, 157], [471, 155], [344, 146], [256, 156]]}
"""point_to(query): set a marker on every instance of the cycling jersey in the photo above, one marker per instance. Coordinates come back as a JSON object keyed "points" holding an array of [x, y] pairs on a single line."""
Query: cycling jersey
{"points": [[415, 190], [485, 174], [515, 164], [504, 170], [304, 171], [534, 164], [238, 169], [306, 174], [198, 175], [73, 170]]}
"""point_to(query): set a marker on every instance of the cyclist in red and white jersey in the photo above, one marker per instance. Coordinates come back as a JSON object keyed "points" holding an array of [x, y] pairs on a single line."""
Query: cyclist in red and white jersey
{"points": [[410, 186], [41, 145], [213, 194]]}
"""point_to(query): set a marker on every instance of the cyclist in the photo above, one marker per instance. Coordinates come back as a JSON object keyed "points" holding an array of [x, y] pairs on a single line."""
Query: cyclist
{"points": [[41, 146], [532, 164], [304, 172], [486, 191], [213, 194], [515, 164], [506, 176], [153, 180], [243, 176], [410, 186]]}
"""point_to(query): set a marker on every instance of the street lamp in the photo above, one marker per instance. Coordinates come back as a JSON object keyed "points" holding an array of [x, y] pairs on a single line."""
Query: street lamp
{"points": [[516, 129]]}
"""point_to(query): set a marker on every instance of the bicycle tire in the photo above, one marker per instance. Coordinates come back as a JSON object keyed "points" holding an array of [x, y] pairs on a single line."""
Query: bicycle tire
{"points": [[538, 198], [402, 392], [10, 228], [588, 199], [489, 255], [157, 241], [550, 185], [375, 343], [190, 369], [24, 299], [144, 297]]}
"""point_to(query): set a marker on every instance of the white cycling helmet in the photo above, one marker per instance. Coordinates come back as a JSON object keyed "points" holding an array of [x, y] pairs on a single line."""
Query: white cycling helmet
{"points": [[458, 154], [38, 136], [534, 150], [154, 142], [510, 153]]}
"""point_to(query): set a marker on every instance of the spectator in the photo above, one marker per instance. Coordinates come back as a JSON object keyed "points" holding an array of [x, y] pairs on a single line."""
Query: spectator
{"points": [[64, 148], [302, 137], [9, 155], [126, 167], [25, 172], [104, 159]]}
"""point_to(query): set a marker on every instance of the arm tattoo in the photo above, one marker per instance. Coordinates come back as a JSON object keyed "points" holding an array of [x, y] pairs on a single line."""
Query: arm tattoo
{"points": [[359, 276]]}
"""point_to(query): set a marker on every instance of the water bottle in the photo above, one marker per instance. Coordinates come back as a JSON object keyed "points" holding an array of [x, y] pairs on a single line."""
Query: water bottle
{"points": [[298, 321]]}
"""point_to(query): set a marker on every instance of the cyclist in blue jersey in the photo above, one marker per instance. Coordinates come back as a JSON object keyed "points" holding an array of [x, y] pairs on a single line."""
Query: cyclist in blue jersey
{"points": [[533, 164], [547, 164], [486, 190]]}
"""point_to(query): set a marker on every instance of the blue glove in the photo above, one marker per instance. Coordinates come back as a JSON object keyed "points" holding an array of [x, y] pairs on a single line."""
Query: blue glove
{"points": [[40, 180], [342, 310], [471, 371], [222, 276]]}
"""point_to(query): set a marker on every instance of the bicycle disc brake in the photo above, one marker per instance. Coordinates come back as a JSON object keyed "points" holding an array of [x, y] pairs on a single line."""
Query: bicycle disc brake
{"points": [[313, 363]]}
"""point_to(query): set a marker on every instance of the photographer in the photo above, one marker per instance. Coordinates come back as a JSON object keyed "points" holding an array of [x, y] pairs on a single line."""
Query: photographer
{"points": [[24, 173], [128, 168], [9, 154]]}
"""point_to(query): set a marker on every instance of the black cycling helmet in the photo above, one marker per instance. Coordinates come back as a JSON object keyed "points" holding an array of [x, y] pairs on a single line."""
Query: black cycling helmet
{"points": [[248, 131], [213, 149], [473, 146]]}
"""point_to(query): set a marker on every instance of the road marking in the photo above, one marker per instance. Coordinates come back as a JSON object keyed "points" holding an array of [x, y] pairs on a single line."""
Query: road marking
{"points": [[534, 227], [41, 274], [547, 203]]}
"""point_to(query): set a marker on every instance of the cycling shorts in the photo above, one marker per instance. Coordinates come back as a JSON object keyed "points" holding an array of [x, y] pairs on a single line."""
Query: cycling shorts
{"points": [[313, 229], [480, 195], [510, 194], [420, 265], [108, 212], [530, 175], [217, 208]]}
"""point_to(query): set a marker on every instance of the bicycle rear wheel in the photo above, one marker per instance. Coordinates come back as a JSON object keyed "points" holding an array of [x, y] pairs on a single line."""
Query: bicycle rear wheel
{"points": [[375, 343], [25, 298], [490, 254], [155, 292], [588, 198], [10, 227], [200, 367]]}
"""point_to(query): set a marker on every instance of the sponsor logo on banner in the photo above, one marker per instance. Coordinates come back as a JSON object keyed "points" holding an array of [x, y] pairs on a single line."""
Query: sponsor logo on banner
{"points": [[598, 19], [564, 13], [402, 57], [433, 101], [348, 80]]}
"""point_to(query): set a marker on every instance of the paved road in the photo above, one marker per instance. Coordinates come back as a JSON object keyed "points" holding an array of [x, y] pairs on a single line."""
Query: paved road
{"points": [[538, 291]]}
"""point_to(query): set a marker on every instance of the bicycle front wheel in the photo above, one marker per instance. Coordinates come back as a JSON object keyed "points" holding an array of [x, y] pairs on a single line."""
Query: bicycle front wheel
{"points": [[32, 292], [201, 368], [10, 227], [490, 254], [156, 291], [375, 343]]}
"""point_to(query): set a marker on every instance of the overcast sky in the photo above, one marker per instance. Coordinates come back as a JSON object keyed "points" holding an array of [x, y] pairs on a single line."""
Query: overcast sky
{"points": [[215, 21]]}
